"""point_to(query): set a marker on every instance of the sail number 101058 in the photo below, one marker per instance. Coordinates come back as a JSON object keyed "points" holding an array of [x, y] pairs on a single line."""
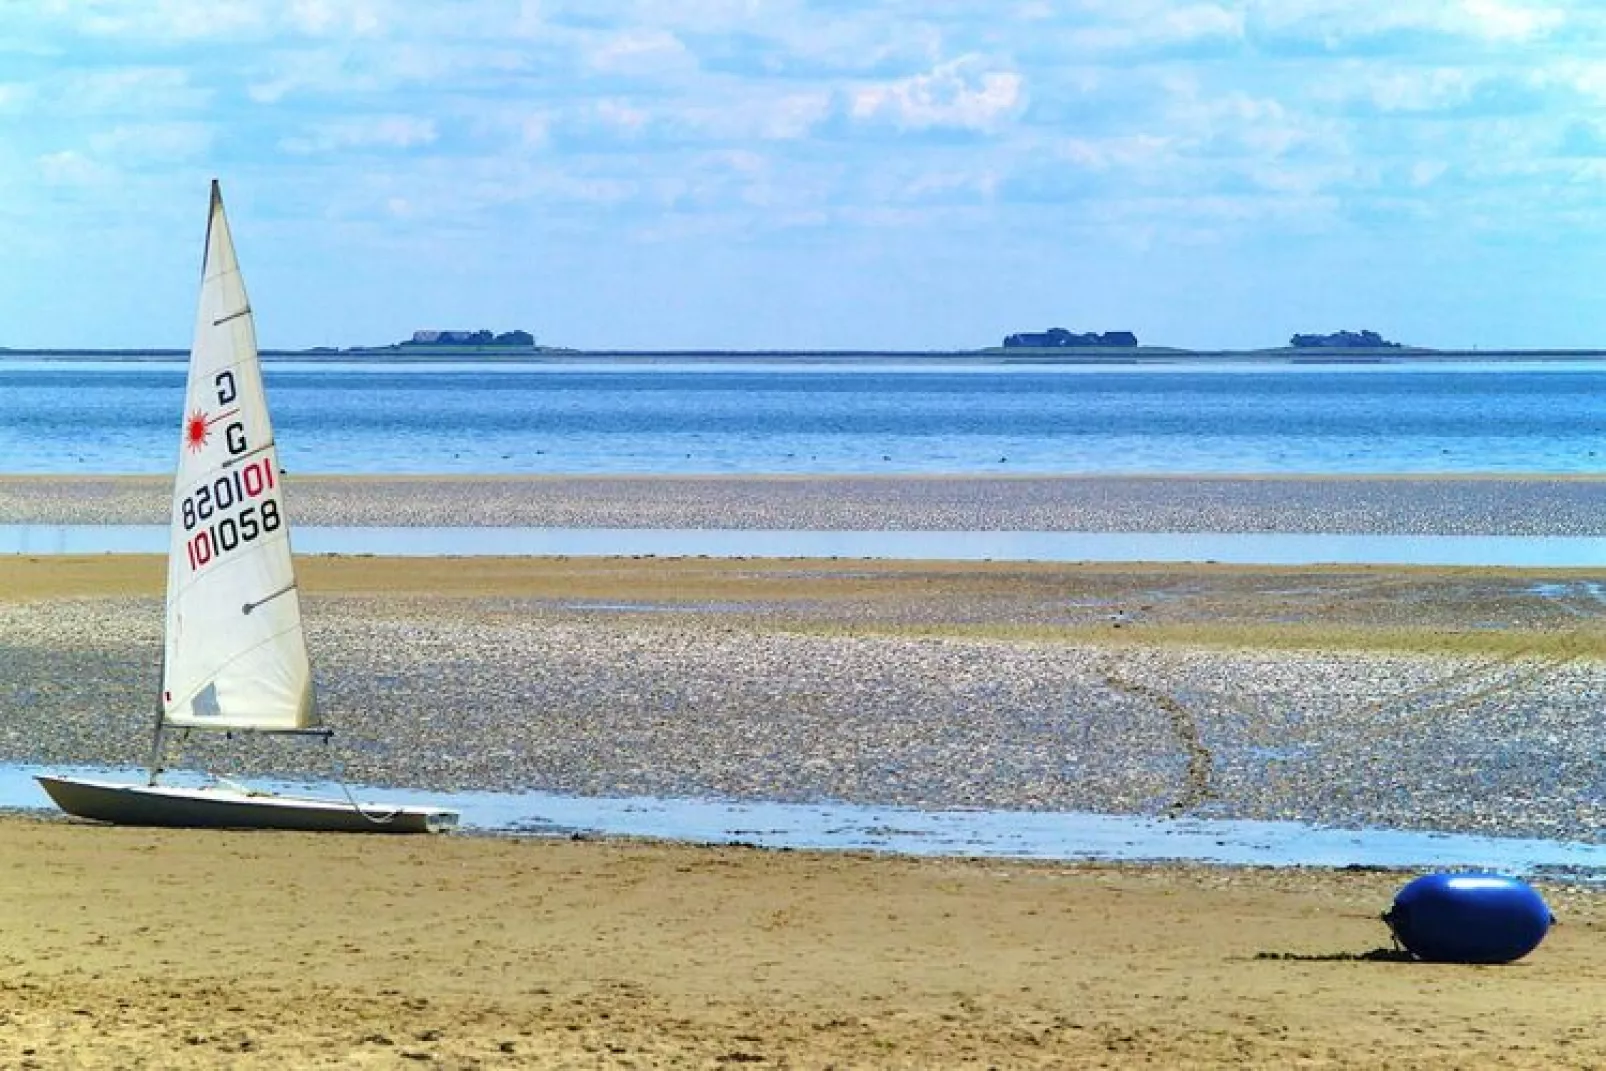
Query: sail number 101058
{"points": [[244, 508]]}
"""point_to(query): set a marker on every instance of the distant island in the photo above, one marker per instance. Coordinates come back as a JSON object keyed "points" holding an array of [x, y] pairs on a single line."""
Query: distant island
{"points": [[1055, 338], [515, 339], [1057, 345], [1059, 338], [1343, 340]]}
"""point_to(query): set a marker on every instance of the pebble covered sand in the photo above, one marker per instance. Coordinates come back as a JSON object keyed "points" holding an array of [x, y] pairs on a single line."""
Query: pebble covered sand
{"points": [[1353, 505], [1041, 688]]}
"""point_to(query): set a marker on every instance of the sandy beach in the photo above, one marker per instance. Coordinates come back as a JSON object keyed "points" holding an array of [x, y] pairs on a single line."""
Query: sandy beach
{"points": [[1408, 698], [128, 948]]}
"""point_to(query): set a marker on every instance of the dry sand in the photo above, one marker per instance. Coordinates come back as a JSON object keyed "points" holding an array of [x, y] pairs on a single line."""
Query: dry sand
{"points": [[126, 948]]}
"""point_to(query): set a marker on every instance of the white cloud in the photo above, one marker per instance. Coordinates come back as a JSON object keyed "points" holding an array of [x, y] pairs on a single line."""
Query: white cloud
{"points": [[1425, 173], [165, 19], [16, 95], [1336, 21], [73, 168], [168, 142], [144, 91], [166, 22], [958, 184], [1498, 20], [620, 116], [1584, 77], [534, 128], [967, 93], [1201, 21], [1419, 90], [788, 117], [659, 121], [325, 17], [375, 132], [334, 73], [762, 114], [641, 53], [1234, 122], [1144, 25], [1138, 151]]}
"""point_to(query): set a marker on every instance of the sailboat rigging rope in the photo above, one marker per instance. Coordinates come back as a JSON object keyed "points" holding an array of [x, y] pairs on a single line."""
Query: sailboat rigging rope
{"points": [[378, 818], [374, 817]]}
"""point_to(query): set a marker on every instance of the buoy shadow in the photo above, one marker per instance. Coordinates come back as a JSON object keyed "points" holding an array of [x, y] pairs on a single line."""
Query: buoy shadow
{"points": [[1376, 955]]}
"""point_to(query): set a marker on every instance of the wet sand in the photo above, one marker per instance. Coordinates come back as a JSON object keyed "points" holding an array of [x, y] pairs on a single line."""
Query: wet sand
{"points": [[1449, 698], [1459, 700]]}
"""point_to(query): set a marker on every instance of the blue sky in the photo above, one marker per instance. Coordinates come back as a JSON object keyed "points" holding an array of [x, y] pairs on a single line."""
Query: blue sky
{"points": [[744, 174]]}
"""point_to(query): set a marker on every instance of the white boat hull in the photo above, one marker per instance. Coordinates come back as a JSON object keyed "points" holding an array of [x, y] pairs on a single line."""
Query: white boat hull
{"points": [[227, 808]]}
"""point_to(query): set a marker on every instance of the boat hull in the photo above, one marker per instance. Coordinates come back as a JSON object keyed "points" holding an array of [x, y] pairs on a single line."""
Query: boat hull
{"points": [[225, 808]]}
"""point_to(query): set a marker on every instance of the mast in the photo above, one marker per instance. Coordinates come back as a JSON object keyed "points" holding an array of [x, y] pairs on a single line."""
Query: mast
{"points": [[214, 208], [158, 733]]}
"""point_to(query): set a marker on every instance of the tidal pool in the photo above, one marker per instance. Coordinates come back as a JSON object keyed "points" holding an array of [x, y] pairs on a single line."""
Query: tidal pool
{"points": [[1070, 836], [1257, 548]]}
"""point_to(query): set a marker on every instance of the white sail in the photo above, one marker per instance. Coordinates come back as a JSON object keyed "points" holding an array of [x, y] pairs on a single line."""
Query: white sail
{"points": [[235, 656]]}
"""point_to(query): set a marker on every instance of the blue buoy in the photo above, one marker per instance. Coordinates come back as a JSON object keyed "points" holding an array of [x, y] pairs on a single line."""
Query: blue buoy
{"points": [[1469, 918]]}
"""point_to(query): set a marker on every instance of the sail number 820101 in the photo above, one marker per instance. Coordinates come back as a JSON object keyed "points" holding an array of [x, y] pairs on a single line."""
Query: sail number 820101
{"points": [[243, 505]]}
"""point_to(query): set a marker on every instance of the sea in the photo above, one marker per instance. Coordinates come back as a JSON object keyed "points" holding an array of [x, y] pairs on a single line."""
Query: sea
{"points": [[883, 415]]}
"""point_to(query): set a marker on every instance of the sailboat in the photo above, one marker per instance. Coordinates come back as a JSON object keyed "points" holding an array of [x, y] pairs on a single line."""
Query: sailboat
{"points": [[235, 655]]}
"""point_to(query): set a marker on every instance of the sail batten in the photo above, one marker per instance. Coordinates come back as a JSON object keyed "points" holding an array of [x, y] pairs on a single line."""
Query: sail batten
{"points": [[235, 654], [248, 607], [248, 455]]}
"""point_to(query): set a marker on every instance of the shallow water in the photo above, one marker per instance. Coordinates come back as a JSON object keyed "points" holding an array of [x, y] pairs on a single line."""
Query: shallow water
{"points": [[971, 833], [1255, 548]]}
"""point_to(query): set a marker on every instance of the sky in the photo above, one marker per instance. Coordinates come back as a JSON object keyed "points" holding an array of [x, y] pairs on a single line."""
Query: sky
{"points": [[797, 174]]}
